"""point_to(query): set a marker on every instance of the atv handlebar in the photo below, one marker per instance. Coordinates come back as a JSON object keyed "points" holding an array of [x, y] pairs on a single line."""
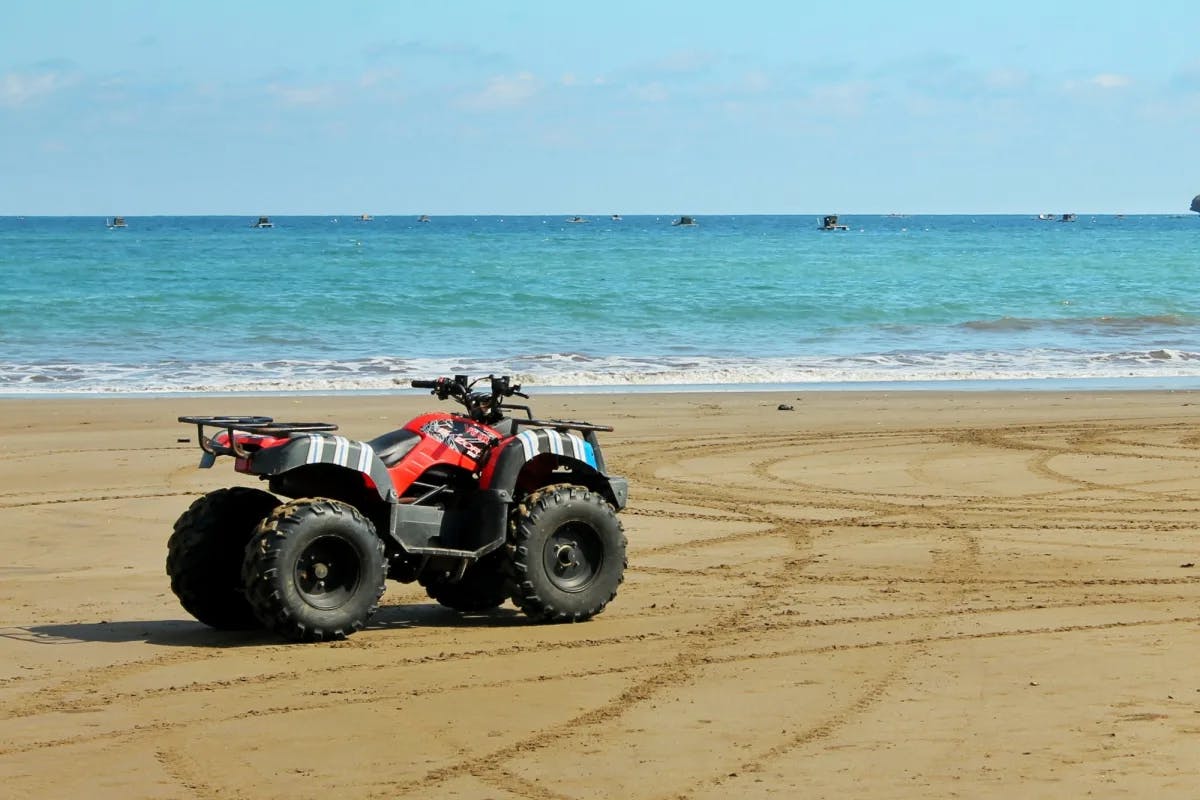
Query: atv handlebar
{"points": [[484, 406], [489, 407]]}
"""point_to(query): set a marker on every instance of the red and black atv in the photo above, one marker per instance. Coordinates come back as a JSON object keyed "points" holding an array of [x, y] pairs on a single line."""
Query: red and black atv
{"points": [[478, 507]]}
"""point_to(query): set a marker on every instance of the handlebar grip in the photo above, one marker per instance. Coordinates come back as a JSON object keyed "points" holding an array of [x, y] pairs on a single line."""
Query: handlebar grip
{"points": [[420, 384]]}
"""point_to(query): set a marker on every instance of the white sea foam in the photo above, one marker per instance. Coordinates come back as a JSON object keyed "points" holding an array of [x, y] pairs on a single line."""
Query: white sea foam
{"points": [[577, 370]]}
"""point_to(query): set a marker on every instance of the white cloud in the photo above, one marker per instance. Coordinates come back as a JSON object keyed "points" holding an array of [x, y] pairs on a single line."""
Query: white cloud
{"points": [[756, 81], [1104, 81], [849, 98], [1108, 80], [687, 61], [303, 96], [505, 91], [18, 89], [570, 79], [651, 92], [1006, 79], [379, 76]]}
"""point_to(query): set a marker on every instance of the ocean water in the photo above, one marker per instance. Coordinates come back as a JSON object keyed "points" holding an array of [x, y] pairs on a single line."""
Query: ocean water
{"points": [[210, 304]]}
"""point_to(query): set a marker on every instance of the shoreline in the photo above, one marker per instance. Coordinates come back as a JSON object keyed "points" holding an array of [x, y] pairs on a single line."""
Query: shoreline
{"points": [[660, 415], [972, 386]]}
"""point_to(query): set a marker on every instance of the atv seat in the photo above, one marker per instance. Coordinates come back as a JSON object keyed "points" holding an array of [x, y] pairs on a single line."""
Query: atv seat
{"points": [[391, 447]]}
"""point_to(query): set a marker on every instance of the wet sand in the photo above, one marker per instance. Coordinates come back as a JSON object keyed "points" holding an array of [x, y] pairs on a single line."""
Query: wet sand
{"points": [[874, 595]]}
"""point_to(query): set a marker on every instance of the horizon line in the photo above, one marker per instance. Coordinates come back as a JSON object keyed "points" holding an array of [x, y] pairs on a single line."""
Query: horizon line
{"points": [[354, 216]]}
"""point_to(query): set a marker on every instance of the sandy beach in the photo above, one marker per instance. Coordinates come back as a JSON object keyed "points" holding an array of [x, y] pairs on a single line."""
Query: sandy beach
{"points": [[873, 595]]}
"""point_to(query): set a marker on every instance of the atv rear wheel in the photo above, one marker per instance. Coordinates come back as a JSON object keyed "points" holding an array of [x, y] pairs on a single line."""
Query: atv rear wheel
{"points": [[204, 555], [567, 554], [483, 586], [315, 570]]}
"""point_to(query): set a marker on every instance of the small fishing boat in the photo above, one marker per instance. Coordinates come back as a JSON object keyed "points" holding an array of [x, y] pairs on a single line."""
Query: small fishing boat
{"points": [[829, 222], [1067, 218], [365, 218], [263, 222], [578, 220], [117, 222], [684, 222], [616, 217], [423, 218], [1046, 217]]}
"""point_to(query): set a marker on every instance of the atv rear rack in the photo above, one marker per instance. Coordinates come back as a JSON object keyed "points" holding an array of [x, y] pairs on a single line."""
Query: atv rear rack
{"points": [[255, 426]]}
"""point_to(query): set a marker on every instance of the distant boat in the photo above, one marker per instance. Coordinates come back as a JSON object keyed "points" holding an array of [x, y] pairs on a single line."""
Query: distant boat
{"points": [[616, 217], [365, 218], [423, 218], [829, 222], [117, 222], [1046, 217], [1067, 218], [263, 222], [578, 220], [684, 221]]}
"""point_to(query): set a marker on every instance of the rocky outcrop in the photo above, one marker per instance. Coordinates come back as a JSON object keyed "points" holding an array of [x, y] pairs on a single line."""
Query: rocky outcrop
{"points": [[1196, 204]]}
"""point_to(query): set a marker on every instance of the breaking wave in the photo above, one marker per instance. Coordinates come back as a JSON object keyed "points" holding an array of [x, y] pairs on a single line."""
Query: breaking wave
{"points": [[579, 370]]}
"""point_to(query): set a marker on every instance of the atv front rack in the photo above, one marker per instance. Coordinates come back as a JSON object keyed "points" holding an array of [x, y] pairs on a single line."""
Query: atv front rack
{"points": [[255, 426], [561, 425]]}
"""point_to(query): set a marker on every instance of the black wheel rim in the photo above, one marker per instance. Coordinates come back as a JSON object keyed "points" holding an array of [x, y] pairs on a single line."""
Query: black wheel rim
{"points": [[327, 572], [573, 556]]}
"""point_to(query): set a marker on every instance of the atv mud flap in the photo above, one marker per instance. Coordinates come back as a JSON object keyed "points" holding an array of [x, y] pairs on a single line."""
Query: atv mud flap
{"points": [[469, 532], [620, 490]]}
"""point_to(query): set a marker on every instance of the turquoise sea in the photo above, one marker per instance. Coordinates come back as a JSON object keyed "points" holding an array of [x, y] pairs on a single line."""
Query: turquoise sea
{"points": [[211, 304]]}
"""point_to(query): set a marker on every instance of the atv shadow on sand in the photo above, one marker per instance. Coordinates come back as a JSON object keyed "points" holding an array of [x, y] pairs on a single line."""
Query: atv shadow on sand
{"points": [[186, 633], [164, 633]]}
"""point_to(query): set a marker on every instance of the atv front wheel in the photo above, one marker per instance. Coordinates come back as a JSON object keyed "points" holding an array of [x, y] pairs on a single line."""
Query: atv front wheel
{"points": [[204, 555], [483, 586], [567, 554], [315, 570]]}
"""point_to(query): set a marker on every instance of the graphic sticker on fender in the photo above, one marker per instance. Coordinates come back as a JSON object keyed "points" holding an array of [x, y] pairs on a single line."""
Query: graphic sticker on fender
{"points": [[459, 435]]}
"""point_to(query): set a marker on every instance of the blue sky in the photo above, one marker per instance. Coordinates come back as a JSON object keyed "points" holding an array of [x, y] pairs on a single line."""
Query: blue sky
{"points": [[633, 107]]}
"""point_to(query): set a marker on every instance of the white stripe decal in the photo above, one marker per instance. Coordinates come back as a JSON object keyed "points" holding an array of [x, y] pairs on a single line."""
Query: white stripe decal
{"points": [[365, 455], [548, 440], [314, 449], [341, 450], [529, 443]]}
